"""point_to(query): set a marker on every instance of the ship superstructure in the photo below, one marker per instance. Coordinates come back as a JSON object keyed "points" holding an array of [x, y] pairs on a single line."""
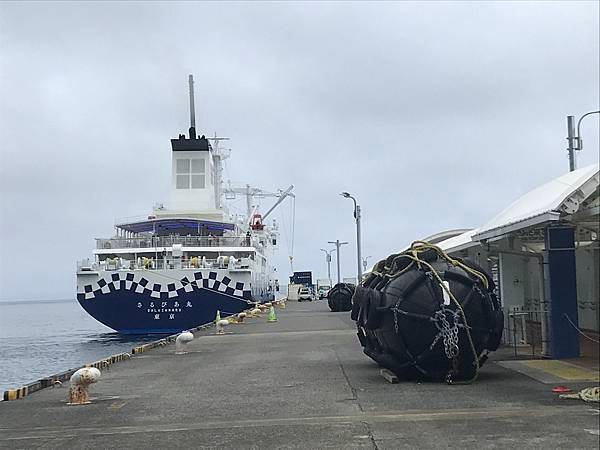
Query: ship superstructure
{"points": [[176, 267]]}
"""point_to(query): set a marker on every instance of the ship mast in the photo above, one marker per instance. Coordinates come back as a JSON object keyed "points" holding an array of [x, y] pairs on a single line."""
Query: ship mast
{"points": [[219, 154]]}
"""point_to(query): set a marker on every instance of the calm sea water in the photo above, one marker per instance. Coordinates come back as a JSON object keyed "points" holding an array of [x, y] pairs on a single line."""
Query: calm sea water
{"points": [[38, 339]]}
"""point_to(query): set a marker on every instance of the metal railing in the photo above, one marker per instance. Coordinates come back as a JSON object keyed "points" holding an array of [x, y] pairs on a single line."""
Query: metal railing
{"points": [[111, 264], [523, 330], [168, 241]]}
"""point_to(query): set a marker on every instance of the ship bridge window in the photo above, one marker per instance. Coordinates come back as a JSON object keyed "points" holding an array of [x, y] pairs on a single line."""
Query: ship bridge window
{"points": [[190, 173]]}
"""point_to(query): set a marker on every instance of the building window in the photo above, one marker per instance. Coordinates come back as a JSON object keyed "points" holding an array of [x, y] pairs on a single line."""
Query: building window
{"points": [[183, 181], [190, 173]]}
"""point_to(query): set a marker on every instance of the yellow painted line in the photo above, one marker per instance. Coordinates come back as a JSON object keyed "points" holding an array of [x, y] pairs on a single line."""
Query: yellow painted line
{"points": [[564, 370], [117, 405]]}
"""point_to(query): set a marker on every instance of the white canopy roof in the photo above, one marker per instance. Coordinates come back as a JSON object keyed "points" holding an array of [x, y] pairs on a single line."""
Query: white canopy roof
{"points": [[460, 242], [544, 203]]}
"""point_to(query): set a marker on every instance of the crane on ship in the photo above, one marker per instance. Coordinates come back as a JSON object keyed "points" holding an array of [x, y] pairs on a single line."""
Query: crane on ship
{"points": [[256, 220]]}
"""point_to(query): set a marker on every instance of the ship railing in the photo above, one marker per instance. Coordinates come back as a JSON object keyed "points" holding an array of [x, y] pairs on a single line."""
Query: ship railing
{"points": [[115, 264], [85, 265], [169, 241]]}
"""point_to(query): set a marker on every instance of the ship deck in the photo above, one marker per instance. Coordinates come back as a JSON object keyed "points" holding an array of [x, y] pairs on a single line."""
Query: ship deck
{"points": [[301, 382]]}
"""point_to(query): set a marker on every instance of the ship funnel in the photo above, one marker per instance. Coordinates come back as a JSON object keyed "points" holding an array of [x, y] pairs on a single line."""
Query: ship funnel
{"points": [[192, 109]]}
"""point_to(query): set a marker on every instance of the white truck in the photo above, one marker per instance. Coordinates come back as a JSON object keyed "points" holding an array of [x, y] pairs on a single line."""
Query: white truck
{"points": [[323, 287], [294, 292]]}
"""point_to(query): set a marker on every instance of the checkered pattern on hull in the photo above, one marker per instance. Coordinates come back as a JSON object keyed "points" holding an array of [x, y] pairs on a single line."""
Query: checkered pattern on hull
{"points": [[136, 282]]}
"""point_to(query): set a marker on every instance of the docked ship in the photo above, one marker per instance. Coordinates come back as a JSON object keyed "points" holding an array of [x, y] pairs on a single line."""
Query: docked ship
{"points": [[176, 267]]}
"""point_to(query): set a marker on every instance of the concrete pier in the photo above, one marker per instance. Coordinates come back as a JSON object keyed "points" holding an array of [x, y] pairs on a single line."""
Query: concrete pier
{"points": [[300, 382]]}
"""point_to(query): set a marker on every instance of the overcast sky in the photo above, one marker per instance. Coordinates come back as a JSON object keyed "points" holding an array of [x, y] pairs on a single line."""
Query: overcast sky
{"points": [[434, 115]]}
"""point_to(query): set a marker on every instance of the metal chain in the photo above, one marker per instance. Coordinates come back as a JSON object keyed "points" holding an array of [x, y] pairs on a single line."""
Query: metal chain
{"points": [[446, 332], [395, 309], [391, 269]]}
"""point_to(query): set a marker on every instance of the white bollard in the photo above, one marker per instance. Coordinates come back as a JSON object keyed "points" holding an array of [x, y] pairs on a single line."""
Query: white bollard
{"points": [[181, 342], [241, 317], [221, 324], [80, 382]]}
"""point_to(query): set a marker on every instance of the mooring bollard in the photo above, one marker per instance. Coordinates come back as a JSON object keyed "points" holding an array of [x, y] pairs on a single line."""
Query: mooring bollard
{"points": [[181, 342], [221, 324], [241, 317], [80, 382]]}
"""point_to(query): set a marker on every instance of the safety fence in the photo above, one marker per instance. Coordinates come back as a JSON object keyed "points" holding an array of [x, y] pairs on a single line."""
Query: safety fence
{"points": [[523, 330]]}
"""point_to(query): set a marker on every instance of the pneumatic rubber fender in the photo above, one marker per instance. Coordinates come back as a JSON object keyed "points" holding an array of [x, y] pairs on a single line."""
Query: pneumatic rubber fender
{"points": [[367, 307], [402, 342], [339, 297]]}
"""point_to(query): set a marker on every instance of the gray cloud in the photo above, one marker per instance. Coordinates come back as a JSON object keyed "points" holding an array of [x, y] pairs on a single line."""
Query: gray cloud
{"points": [[435, 115]]}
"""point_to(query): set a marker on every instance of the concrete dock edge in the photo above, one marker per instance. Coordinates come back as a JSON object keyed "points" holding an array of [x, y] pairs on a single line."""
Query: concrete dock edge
{"points": [[61, 377]]}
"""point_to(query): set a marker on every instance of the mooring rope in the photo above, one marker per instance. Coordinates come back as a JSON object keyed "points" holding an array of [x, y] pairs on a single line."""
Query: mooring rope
{"points": [[591, 394]]}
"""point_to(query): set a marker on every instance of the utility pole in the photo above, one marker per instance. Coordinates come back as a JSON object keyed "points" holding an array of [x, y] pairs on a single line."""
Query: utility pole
{"points": [[575, 141], [338, 244], [571, 141], [328, 260], [358, 244]]}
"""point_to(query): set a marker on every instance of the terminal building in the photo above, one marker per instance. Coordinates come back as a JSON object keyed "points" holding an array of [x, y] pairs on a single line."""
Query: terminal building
{"points": [[543, 251]]}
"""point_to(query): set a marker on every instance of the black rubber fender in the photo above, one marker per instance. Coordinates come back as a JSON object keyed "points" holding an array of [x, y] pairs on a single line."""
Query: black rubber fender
{"points": [[375, 299]]}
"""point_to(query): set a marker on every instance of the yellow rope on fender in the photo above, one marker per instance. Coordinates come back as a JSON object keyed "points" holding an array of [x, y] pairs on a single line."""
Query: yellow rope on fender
{"points": [[455, 262]]}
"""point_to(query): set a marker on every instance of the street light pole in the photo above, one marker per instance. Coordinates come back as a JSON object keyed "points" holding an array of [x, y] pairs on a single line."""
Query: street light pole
{"points": [[574, 140], [358, 249], [328, 259], [338, 244]]}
